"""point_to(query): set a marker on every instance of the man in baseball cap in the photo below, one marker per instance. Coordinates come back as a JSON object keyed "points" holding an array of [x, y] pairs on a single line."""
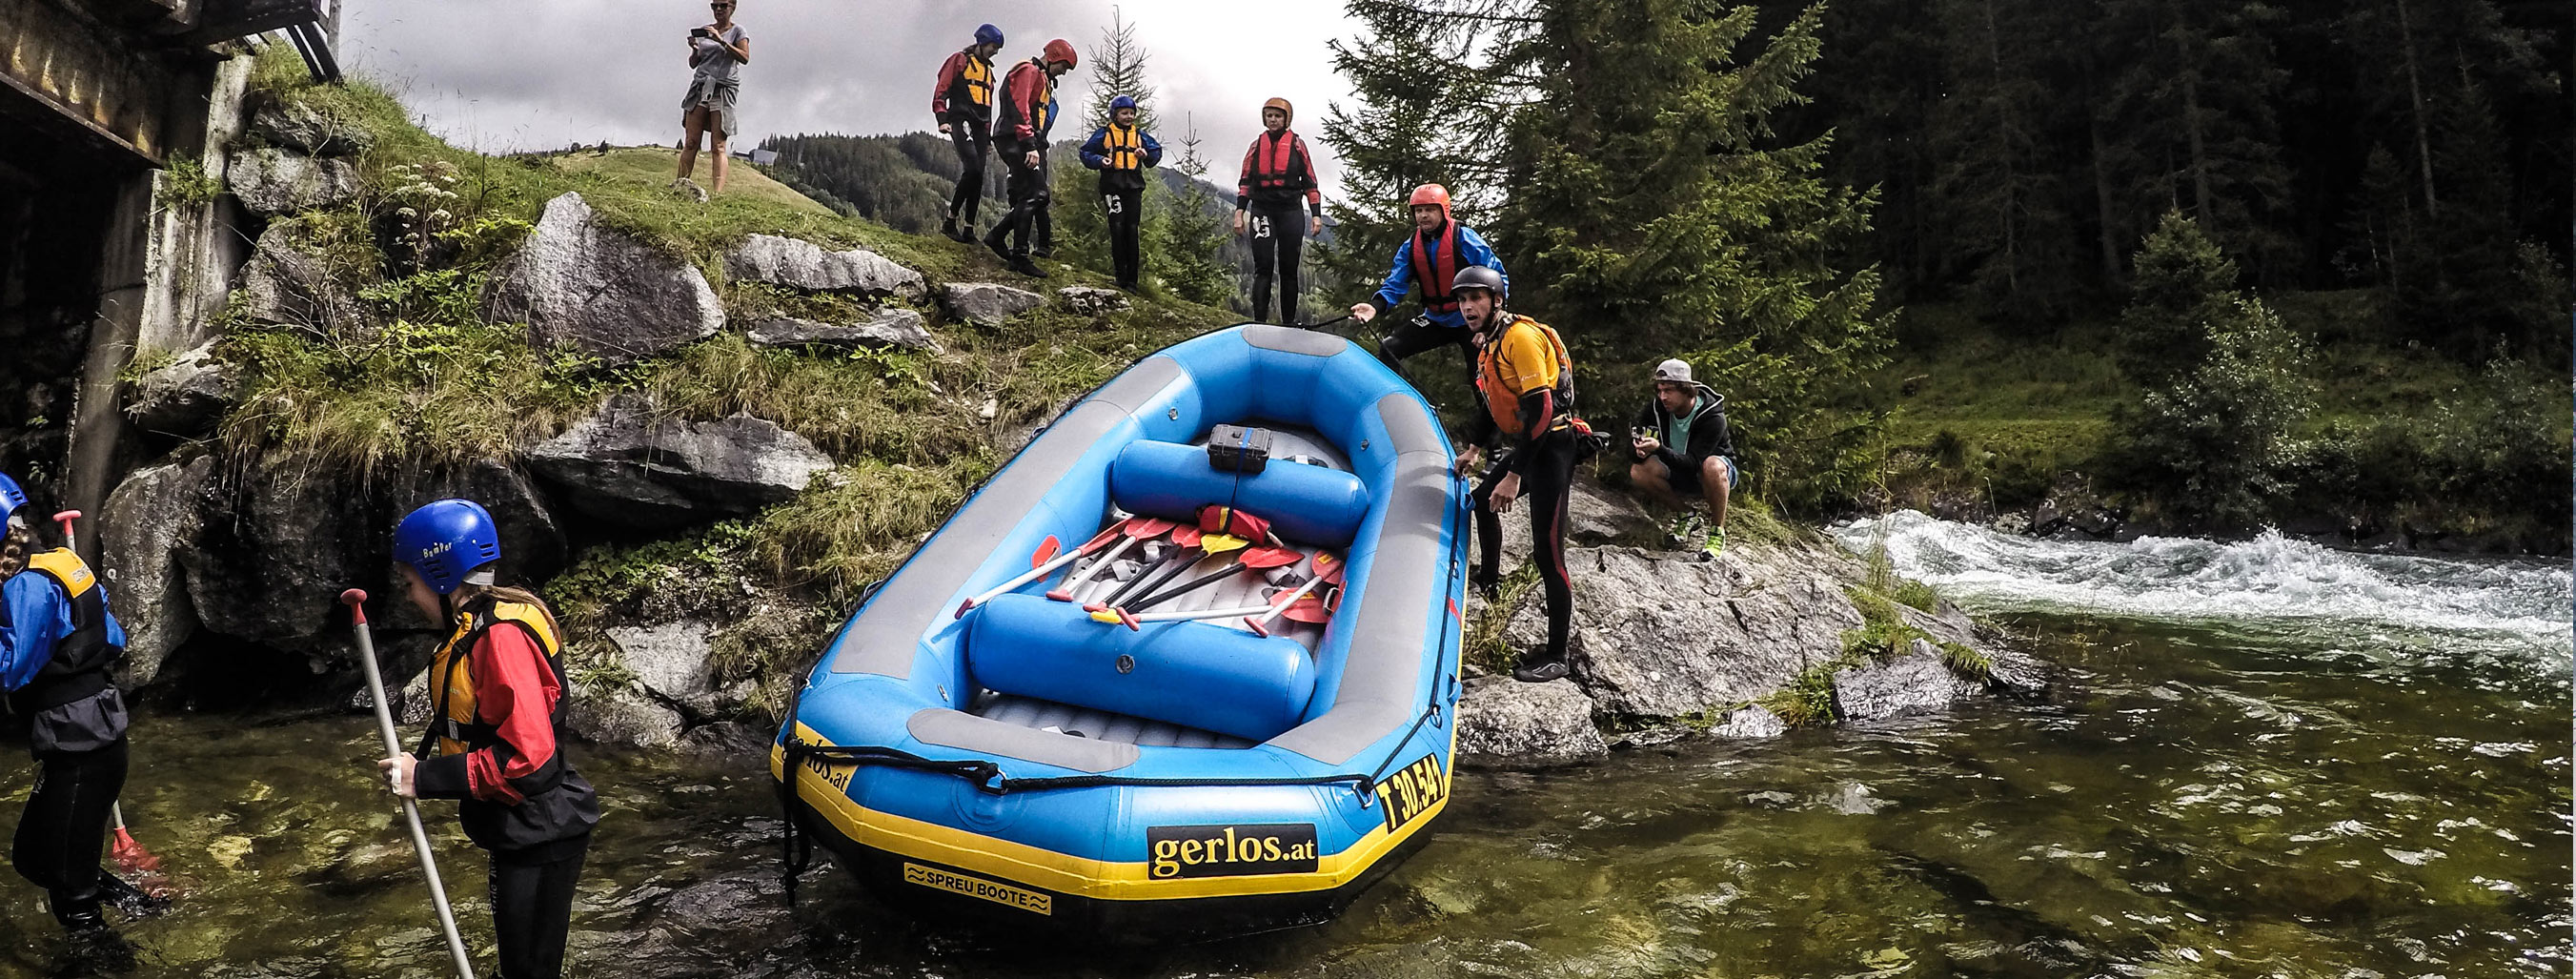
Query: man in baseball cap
{"points": [[1680, 448]]}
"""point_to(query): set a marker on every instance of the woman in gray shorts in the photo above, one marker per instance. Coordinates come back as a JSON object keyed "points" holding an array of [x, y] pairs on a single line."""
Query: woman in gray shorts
{"points": [[718, 51]]}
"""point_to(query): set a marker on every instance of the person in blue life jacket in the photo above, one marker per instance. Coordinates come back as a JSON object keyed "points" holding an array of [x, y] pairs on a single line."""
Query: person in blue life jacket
{"points": [[1121, 152], [498, 695], [1430, 258], [962, 101], [57, 642]]}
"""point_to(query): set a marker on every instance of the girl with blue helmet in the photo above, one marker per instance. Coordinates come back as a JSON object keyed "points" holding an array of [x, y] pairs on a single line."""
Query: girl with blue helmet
{"points": [[57, 641], [497, 693]]}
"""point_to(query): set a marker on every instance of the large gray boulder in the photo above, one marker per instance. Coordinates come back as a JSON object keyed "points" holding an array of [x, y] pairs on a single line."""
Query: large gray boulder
{"points": [[277, 549], [624, 716], [630, 465], [308, 130], [672, 661], [1660, 635], [802, 264], [1912, 683], [185, 396], [581, 284], [150, 520], [1505, 723], [986, 304], [1091, 300], [274, 181], [896, 329], [289, 282], [1595, 516]]}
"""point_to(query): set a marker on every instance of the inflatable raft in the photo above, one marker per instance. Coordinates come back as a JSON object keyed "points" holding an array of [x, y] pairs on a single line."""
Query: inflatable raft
{"points": [[991, 733]]}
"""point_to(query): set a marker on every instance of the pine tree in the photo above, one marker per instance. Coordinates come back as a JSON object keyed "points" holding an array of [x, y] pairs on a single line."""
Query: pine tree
{"points": [[1190, 235], [1118, 68], [1998, 173], [1651, 214], [2195, 105]]}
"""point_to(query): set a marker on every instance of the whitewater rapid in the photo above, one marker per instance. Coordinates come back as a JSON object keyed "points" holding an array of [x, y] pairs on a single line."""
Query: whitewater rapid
{"points": [[2270, 579]]}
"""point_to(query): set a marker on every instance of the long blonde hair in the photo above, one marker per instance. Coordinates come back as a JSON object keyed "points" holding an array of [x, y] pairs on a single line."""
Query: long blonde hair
{"points": [[19, 545], [469, 593]]}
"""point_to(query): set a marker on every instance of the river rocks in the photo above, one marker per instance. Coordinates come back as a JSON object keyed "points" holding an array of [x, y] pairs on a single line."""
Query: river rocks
{"points": [[1658, 636], [275, 181], [308, 130], [1913, 682], [805, 265], [670, 661], [628, 465], [276, 551], [291, 283], [986, 304], [185, 396], [578, 283], [1091, 300], [1749, 724], [1504, 722], [900, 329], [623, 716], [1595, 515], [149, 520], [729, 739]]}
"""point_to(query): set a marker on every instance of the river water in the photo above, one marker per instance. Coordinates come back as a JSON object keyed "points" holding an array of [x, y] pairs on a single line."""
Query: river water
{"points": [[2265, 759]]}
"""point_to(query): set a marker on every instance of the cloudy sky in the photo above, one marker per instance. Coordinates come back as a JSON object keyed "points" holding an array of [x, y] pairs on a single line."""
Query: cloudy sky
{"points": [[502, 75]]}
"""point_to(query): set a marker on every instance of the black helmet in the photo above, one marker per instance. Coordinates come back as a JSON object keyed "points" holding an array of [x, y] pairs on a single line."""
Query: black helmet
{"points": [[1479, 277]]}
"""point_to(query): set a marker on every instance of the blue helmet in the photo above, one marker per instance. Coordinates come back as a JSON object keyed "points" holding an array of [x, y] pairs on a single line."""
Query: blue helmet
{"points": [[11, 497], [447, 540], [1122, 102], [988, 34]]}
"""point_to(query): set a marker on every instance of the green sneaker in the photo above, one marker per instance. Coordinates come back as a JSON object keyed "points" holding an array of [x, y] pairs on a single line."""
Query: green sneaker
{"points": [[1716, 542], [1682, 529]]}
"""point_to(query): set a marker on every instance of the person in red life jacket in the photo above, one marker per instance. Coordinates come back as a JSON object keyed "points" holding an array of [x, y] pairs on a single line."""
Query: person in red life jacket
{"points": [[963, 104], [1020, 133], [1277, 171], [1439, 248], [57, 640], [497, 693], [1121, 152], [1525, 381]]}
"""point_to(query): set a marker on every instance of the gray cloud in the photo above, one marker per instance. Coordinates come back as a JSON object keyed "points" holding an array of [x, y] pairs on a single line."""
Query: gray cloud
{"points": [[504, 75]]}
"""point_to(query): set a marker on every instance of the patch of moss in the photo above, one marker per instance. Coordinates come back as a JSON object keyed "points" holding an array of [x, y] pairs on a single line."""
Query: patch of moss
{"points": [[185, 183], [1807, 700]]}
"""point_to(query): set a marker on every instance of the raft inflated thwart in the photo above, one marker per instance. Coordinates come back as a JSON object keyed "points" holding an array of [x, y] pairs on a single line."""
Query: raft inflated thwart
{"points": [[1134, 780]]}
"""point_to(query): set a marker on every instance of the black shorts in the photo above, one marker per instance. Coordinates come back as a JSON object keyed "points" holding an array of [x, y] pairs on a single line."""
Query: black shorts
{"points": [[1685, 479]]}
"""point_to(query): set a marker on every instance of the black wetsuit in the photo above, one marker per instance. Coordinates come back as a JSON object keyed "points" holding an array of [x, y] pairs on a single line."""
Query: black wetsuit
{"points": [[1280, 194], [1547, 480]]}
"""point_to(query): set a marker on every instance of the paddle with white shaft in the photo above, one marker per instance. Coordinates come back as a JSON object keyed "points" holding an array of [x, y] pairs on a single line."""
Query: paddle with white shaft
{"points": [[131, 857], [1327, 570], [1135, 531], [356, 600], [1045, 567]]}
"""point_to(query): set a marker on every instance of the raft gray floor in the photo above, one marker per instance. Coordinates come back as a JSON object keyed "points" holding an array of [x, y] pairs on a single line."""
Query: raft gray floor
{"points": [[1245, 589]]}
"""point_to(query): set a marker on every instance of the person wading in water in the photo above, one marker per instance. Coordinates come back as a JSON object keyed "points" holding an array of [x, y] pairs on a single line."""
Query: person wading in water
{"points": [[57, 641], [495, 741]]}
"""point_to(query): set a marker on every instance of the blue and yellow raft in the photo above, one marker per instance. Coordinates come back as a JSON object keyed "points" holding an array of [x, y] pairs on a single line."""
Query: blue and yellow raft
{"points": [[1192, 777]]}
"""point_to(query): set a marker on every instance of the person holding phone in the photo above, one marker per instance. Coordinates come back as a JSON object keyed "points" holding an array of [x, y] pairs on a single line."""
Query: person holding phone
{"points": [[717, 52]]}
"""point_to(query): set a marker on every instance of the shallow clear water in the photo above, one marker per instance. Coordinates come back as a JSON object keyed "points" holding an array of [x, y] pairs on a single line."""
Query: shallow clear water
{"points": [[2336, 785]]}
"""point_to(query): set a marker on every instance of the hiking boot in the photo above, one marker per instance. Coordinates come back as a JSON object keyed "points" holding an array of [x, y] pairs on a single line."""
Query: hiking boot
{"points": [[948, 230], [129, 900], [1716, 544], [1540, 671], [77, 914], [1042, 251], [1683, 529], [1025, 267], [1000, 248], [1488, 587]]}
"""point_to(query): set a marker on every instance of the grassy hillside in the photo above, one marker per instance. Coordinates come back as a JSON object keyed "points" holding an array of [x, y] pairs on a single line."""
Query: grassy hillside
{"points": [[426, 380]]}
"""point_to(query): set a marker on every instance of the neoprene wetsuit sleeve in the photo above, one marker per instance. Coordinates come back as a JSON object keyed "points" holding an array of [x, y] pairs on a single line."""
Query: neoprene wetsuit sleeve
{"points": [[1399, 279], [1153, 149], [948, 72], [1095, 150], [1537, 409]]}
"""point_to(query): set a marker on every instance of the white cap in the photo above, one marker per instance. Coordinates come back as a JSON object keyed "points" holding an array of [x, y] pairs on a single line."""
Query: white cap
{"points": [[1673, 370]]}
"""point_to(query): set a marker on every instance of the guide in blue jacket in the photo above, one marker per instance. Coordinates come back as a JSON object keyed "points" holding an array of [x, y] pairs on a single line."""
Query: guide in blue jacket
{"points": [[1121, 152], [1431, 256]]}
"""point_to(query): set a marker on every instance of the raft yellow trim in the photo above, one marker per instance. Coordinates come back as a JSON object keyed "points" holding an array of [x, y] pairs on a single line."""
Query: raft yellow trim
{"points": [[1105, 880]]}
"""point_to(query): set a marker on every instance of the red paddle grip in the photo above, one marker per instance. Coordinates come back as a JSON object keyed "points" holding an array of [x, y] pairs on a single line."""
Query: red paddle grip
{"points": [[356, 600]]}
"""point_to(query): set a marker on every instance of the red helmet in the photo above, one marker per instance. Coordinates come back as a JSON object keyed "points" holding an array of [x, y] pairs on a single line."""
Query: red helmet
{"points": [[1432, 194], [1062, 50]]}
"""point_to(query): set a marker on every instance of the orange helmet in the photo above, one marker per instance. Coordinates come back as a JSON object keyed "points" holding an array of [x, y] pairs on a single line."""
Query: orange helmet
{"points": [[1283, 107], [1432, 194], [1062, 50]]}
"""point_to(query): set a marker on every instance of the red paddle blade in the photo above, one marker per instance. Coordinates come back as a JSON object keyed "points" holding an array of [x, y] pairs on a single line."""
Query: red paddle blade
{"points": [[1308, 610], [1187, 536], [1328, 567], [1150, 527], [1271, 557], [1047, 550]]}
